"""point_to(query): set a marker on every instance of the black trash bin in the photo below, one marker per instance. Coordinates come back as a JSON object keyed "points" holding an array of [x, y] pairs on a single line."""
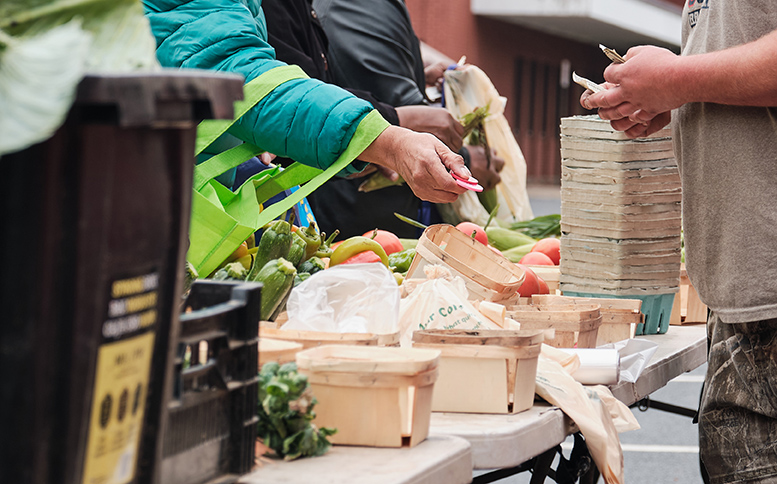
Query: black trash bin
{"points": [[94, 234]]}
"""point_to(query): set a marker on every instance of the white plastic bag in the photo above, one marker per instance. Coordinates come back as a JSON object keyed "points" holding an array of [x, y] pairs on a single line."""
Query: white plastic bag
{"points": [[439, 302], [352, 298], [635, 355]]}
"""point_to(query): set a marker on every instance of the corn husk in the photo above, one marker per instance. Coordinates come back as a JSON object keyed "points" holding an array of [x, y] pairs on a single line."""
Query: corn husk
{"points": [[467, 90]]}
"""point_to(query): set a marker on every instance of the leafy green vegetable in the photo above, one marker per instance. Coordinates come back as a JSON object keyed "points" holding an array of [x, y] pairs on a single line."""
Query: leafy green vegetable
{"points": [[286, 413], [38, 79], [47, 46], [540, 227]]}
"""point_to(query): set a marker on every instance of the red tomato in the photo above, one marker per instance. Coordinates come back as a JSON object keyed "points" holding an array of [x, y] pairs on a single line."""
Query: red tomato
{"points": [[530, 284], [388, 240], [544, 289], [362, 258], [536, 259], [551, 247], [469, 227]]}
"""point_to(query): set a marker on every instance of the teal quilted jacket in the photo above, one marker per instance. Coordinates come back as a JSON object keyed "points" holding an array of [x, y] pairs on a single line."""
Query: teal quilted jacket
{"points": [[303, 119]]}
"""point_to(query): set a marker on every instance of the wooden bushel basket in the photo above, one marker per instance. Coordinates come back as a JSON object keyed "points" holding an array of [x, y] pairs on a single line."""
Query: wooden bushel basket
{"points": [[378, 397], [488, 276], [574, 325], [483, 371]]}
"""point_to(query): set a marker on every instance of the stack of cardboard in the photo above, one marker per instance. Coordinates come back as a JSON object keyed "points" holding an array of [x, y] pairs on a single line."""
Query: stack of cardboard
{"points": [[620, 211]]}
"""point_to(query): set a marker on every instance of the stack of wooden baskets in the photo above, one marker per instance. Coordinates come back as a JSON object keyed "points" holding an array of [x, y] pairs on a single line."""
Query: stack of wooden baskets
{"points": [[620, 217]]}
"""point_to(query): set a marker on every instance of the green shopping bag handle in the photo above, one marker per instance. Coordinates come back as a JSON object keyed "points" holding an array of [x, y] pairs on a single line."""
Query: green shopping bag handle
{"points": [[273, 183], [210, 130]]}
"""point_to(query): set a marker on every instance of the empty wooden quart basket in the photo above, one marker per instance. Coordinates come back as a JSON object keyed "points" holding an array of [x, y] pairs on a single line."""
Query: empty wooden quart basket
{"points": [[620, 317], [488, 276], [483, 371], [373, 396], [277, 350], [574, 325], [310, 339]]}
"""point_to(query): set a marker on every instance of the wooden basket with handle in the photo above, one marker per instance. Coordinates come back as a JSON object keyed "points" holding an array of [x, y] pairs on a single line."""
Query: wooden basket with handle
{"points": [[488, 275]]}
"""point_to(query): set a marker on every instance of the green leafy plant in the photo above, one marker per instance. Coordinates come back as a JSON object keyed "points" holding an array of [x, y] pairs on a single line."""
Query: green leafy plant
{"points": [[46, 48], [540, 227], [286, 413]]}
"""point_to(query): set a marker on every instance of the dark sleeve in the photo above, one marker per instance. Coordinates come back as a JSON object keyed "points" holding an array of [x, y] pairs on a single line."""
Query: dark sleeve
{"points": [[297, 37], [386, 110], [372, 47]]}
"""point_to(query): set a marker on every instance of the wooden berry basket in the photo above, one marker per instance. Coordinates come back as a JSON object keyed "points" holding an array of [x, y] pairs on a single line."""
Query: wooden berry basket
{"points": [[688, 308], [488, 275], [620, 317], [574, 325], [311, 339], [270, 329], [373, 396], [277, 350], [483, 371]]}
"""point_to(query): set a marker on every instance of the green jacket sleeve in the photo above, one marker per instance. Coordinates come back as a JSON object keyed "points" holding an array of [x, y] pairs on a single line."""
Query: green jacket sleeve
{"points": [[303, 119]]}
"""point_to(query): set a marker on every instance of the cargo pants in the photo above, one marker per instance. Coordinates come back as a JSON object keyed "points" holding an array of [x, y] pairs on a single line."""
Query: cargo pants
{"points": [[738, 410]]}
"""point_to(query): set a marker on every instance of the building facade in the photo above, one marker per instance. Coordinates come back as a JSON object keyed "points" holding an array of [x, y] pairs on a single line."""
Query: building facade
{"points": [[529, 49]]}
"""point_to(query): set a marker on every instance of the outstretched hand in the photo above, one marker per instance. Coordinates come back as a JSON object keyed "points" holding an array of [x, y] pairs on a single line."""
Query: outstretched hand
{"points": [[422, 160]]}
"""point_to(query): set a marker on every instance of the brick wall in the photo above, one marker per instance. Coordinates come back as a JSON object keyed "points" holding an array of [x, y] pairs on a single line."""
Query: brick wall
{"points": [[524, 66]]}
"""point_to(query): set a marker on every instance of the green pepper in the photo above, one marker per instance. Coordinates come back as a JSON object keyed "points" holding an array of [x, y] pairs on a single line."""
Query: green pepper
{"points": [[325, 249], [312, 239], [275, 243], [400, 261]]}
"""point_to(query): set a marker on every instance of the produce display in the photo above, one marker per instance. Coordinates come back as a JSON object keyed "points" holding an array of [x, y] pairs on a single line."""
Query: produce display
{"points": [[286, 255]]}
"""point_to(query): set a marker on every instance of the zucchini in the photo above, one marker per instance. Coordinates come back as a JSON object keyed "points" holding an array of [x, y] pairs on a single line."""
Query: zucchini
{"points": [[275, 243], [277, 276], [312, 265], [297, 249]]}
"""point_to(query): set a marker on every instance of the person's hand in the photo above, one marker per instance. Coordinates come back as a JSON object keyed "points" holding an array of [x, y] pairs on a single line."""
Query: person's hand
{"points": [[437, 121], [486, 173], [433, 74], [266, 158], [422, 160], [639, 93]]}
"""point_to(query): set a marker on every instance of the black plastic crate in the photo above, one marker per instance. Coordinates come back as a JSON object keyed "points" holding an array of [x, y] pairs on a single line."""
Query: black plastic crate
{"points": [[95, 223], [212, 416]]}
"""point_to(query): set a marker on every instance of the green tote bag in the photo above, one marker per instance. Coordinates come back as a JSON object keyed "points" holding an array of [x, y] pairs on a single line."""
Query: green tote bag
{"points": [[222, 219]]}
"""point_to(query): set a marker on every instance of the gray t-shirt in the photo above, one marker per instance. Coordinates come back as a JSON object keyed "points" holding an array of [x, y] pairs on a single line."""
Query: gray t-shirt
{"points": [[728, 163]]}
